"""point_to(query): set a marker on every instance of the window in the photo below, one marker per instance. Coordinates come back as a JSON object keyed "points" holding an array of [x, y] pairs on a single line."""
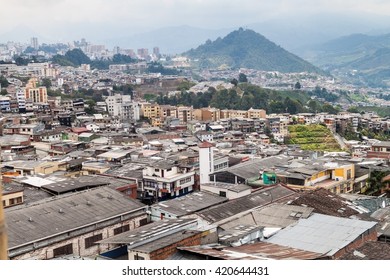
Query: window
{"points": [[64, 250], [185, 180], [221, 193], [90, 241], [348, 174], [121, 229], [143, 222]]}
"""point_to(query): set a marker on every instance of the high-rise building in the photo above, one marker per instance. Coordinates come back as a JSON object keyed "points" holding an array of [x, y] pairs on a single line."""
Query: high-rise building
{"points": [[156, 51], [143, 53], [34, 43]]}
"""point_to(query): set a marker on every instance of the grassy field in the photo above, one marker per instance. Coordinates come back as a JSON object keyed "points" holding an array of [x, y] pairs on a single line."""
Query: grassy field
{"points": [[312, 137]]}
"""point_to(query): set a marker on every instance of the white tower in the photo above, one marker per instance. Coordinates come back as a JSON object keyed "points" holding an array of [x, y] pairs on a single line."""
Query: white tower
{"points": [[206, 161]]}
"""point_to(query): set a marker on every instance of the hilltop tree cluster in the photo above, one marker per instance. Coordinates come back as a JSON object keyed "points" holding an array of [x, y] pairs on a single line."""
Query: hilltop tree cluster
{"points": [[246, 96]]}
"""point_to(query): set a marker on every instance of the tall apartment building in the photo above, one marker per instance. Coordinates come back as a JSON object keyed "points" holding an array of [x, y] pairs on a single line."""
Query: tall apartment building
{"points": [[150, 110], [121, 106], [167, 111], [143, 53], [156, 51], [207, 114], [35, 94], [34, 43], [184, 114]]}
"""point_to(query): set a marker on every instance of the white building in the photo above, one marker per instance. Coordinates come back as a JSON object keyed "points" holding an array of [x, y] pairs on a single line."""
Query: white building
{"points": [[164, 180], [121, 106], [20, 97], [206, 161]]}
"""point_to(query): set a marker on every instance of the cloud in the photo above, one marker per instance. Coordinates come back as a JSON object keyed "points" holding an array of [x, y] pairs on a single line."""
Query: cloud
{"points": [[51, 17]]}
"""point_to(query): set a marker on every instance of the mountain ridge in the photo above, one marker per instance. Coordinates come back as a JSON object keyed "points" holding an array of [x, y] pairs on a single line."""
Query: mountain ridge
{"points": [[245, 48]]}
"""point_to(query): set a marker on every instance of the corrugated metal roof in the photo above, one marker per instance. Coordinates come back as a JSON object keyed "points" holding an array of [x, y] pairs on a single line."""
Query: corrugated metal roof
{"points": [[251, 168], [236, 206], [255, 251], [150, 231], [274, 215], [190, 203], [64, 213], [321, 233]]}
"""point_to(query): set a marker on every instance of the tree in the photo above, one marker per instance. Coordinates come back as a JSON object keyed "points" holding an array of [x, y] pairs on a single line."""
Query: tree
{"points": [[329, 109], [313, 105], [4, 82], [46, 82], [234, 81], [297, 86], [90, 107], [21, 61], [353, 109], [242, 78]]}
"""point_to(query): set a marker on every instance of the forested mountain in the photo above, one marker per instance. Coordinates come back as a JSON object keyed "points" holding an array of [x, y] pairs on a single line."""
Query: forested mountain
{"points": [[366, 58], [248, 49]]}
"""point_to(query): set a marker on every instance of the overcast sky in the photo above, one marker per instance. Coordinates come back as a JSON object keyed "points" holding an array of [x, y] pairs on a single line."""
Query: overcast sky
{"points": [[60, 19]]}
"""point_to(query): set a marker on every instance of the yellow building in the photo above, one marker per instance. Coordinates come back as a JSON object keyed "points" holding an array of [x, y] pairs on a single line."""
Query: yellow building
{"points": [[337, 179], [207, 114], [256, 113], [157, 122], [34, 93], [150, 111]]}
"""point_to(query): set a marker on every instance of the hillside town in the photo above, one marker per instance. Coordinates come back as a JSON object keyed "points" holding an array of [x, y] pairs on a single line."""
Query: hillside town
{"points": [[128, 178]]}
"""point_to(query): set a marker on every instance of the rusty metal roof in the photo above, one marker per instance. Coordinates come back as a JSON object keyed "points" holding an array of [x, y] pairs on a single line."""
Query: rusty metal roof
{"points": [[255, 251]]}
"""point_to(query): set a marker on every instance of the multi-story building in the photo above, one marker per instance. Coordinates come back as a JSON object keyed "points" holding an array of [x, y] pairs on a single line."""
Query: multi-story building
{"points": [[121, 106], [35, 94], [380, 150], [5, 103], [79, 221], [167, 111], [21, 99], [34, 43], [333, 176], [184, 114], [207, 114], [164, 180], [256, 113], [229, 114], [150, 110]]}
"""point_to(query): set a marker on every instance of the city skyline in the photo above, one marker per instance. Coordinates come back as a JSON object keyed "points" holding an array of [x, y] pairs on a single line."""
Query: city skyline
{"points": [[65, 20]]}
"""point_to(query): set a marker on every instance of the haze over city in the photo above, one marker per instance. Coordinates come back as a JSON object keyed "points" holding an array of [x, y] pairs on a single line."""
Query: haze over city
{"points": [[292, 24]]}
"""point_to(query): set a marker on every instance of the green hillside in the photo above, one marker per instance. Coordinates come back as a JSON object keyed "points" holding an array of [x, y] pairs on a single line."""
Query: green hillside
{"points": [[248, 49], [312, 137], [366, 58]]}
